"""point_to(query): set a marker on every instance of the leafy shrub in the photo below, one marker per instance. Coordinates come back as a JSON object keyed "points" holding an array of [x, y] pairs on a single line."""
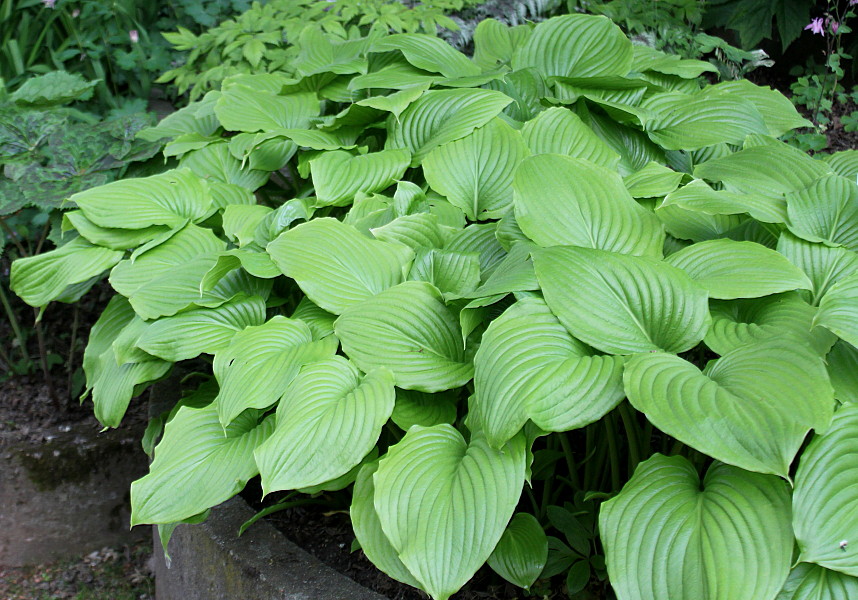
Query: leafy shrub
{"points": [[455, 282]]}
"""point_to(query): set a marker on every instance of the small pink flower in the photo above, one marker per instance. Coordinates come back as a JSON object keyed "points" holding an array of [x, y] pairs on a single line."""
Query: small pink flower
{"points": [[49, 3], [134, 36], [834, 26], [816, 26], [76, 12], [853, 2]]}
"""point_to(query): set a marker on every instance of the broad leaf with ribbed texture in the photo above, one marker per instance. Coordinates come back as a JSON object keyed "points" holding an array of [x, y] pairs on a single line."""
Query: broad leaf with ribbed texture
{"points": [[576, 46], [475, 172], [215, 163], [560, 131], [652, 181], [812, 582], [698, 196], [417, 231], [443, 503], [201, 330], [561, 200], [241, 220], [667, 535], [44, 277], [825, 500], [739, 322], [729, 269], [259, 363], [838, 309], [842, 363], [826, 211], [110, 237], [327, 421], [172, 198], [409, 330], [338, 175], [167, 279], [442, 116], [198, 464], [529, 367], [824, 265], [241, 108], [426, 410], [751, 408], [778, 112], [521, 552], [453, 273], [622, 304], [336, 266], [429, 53]]}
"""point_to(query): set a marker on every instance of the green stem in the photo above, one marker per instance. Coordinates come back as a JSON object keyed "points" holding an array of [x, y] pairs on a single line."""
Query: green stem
{"points": [[631, 426], [570, 460], [16, 327], [613, 451], [14, 237]]}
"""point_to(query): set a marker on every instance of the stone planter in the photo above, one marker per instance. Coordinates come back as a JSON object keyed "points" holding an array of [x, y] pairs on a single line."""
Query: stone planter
{"points": [[210, 562]]}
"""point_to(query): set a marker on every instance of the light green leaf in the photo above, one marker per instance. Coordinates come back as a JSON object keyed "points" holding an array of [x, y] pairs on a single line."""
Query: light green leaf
{"points": [[824, 265], [570, 201], [327, 421], [726, 539], [240, 221], [417, 231], [843, 163], [429, 53], [320, 321], [522, 551], [698, 226], [825, 497], [826, 211], [697, 196], [396, 102], [729, 269], [529, 367], [751, 408], [198, 464], [452, 273], [338, 175], [495, 42], [259, 364], [409, 330], [812, 582], [838, 309], [442, 116], [560, 131], [653, 181], [215, 163], [622, 304], [110, 237], [478, 238], [444, 503], [515, 273], [843, 371], [426, 410], [241, 108], [779, 113], [475, 172], [336, 266]]}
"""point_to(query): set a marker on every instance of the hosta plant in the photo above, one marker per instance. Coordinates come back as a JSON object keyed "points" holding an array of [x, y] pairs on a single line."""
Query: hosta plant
{"points": [[556, 307]]}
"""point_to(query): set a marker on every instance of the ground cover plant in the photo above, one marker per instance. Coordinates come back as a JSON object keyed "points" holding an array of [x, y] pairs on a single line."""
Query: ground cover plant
{"points": [[557, 308]]}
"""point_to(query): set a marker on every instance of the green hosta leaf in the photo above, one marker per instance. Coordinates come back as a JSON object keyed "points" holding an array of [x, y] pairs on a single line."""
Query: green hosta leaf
{"points": [[396, 102], [697, 226], [167, 278], [368, 530], [843, 371], [109, 237], [475, 172], [327, 421], [241, 220], [429, 53], [560, 131], [478, 238], [838, 310], [495, 42], [812, 582], [260, 362], [690, 122], [522, 551], [825, 496], [409, 330], [743, 322], [451, 272], [826, 211], [751, 408], [650, 59], [824, 265], [241, 108], [729, 540], [622, 304], [515, 273], [202, 330], [443, 503], [215, 163], [320, 321], [843, 163], [197, 465], [779, 113], [172, 198], [226, 194], [44, 277], [529, 367], [654, 180], [197, 117], [426, 410], [420, 230], [570, 201], [53, 88], [338, 175], [442, 116], [729, 269], [697, 196], [336, 266], [576, 46]]}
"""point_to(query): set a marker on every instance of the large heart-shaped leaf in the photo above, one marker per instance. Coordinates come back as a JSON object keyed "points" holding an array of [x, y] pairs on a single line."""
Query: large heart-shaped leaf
{"points": [[561, 200], [843, 370], [172, 198], [825, 501], [751, 408], [522, 551], [668, 536], [327, 421], [812, 582], [838, 310], [338, 175], [779, 113], [560, 131], [529, 367], [260, 362], [729, 269], [241, 108], [475, 172], [198, 464], [622, 304], [429, 53], [823, 264], [444, 503], [698, 196], [826, 211], [409, 330], [336, 266]]}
